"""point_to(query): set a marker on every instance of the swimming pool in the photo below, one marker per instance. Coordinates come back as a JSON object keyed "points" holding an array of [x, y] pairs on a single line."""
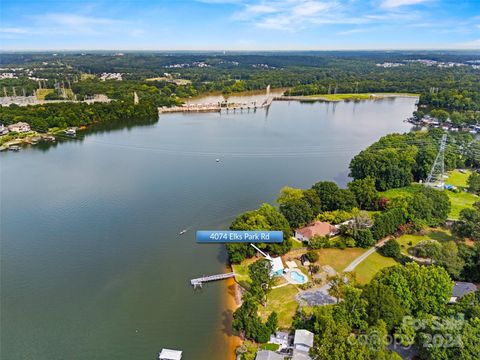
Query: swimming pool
{"points": [[298, 277]]}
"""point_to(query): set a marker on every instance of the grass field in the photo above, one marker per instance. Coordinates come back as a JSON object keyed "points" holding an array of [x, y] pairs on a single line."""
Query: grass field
{"points": [[41, 93], [282, 301], [461, 199], [458, 179], [87, 76], [408, 240], [458, 200], [362, 96], [366, 270], [338, 258]]}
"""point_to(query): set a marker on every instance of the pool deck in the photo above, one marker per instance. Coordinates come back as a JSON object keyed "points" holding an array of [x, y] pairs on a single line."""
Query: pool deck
{"points": [[291, 280]]}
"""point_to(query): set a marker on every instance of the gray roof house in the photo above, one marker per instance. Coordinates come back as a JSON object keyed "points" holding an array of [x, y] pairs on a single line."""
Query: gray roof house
{"points": [[300, 355], [268, 355], [303, 340], [461, 289], [280, 338]]}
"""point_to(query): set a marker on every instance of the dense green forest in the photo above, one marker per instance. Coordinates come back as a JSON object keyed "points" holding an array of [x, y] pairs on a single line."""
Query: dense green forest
{"points": [[447, 92], [402, 305]]}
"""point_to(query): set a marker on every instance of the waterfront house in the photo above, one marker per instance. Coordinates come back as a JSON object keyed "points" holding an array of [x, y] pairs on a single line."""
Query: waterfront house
{"points": [[303, 340], [19, 127], [3, 130], [461, 289], [280, 338], [268, 355], [277, 266], [318, 228], [167, 354]]}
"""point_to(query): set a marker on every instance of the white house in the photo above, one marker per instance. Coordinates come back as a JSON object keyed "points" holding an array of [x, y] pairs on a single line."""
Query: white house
{"points": [[3, 130], [167, 354], [19, 127], [277, 266], [280, 338], [303, 340]]}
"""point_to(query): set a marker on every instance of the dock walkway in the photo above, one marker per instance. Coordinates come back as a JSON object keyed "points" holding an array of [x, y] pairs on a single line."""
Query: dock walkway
{"points": [[199, 281]]}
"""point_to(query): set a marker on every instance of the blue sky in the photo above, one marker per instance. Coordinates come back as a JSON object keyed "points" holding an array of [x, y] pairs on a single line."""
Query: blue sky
{"points": [[239, 24]]}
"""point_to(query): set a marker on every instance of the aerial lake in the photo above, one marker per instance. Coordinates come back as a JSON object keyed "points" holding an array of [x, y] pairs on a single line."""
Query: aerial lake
{"points": [[91, 261]]}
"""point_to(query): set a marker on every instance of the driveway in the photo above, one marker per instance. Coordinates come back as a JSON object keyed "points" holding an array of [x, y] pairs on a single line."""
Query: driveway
{"points": [[320, 296]]}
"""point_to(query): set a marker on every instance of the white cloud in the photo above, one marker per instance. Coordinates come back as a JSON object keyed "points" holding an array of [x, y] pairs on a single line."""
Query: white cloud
{"points": [[398, 3], [15, 30]]}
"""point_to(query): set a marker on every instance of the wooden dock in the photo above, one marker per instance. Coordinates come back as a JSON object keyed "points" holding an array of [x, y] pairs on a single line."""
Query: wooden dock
{"points": [[198, 282]]}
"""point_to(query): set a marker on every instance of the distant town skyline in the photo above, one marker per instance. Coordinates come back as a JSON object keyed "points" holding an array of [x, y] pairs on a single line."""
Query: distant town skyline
{"points": [[240, 25]]}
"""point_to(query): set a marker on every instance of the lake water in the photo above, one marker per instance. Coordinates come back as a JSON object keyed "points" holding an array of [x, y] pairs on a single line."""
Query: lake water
{"points": [[92, 266]]}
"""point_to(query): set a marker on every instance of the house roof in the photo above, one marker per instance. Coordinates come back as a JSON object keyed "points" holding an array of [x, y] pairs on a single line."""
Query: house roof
{"points": [[462, 288], [168, 354], [281, 335], [317, 228], [304, 337], [300, 355], [277, 264], [268, 355]]}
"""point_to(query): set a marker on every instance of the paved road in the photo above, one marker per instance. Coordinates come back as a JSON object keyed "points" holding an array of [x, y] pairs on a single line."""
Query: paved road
{"points": [[366, 254]]}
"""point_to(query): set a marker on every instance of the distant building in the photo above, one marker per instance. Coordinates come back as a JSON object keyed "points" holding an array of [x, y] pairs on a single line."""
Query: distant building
{"points": [[303, 340], [461, 289], [319, 228], [19, 127], [268, 355], [3, 130], [280, 338], [167, 354]]}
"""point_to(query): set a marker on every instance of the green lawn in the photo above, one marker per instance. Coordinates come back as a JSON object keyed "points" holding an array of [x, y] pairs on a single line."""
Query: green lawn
{"points": [[338, 258], [408, 240], [458, 179], [297, 244], [400, 191], [269, 346], [241, 275], [41, 93], [282, 301], [460, 201], [367, 269], [362, 96]]}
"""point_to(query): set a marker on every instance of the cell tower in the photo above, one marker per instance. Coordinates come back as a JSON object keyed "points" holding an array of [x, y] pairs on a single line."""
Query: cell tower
{"points": [[438, 169]]}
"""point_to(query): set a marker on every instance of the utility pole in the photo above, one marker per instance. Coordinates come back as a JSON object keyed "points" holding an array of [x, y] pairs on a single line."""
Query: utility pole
{"points": [[438, 168]]}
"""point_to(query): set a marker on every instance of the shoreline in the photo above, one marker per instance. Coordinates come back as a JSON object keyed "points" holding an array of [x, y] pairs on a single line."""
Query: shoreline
{"points": [[344, 97], [232, 300]]}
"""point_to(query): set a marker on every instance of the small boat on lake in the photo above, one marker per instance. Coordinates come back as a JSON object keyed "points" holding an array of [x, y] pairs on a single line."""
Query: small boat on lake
{"points": [[183, 232], [217, 160], [71, 132], [14, 148]]}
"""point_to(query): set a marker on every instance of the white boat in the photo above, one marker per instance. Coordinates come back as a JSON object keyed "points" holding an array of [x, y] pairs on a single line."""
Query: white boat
{"points": [[14, 148], [217, 160], [71, 132], [183, 232]]}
